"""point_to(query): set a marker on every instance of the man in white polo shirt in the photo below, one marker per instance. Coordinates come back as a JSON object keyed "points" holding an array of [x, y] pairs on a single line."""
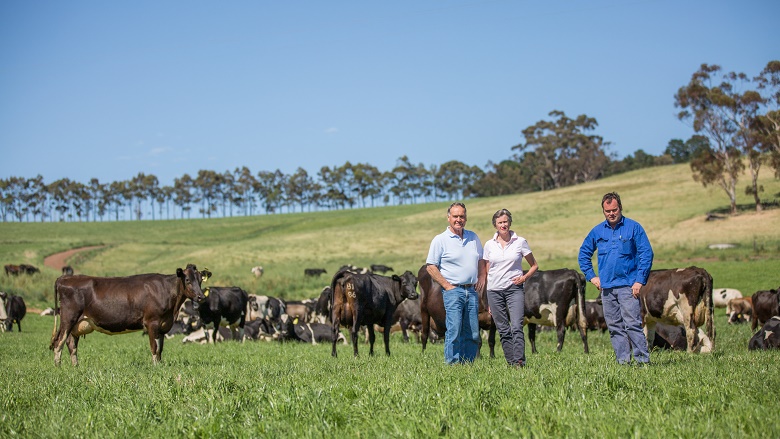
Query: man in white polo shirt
{"points": [[455, 262]]}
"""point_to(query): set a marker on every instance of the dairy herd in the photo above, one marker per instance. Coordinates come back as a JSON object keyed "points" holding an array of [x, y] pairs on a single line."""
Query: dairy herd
{"points": [[677, 305]]}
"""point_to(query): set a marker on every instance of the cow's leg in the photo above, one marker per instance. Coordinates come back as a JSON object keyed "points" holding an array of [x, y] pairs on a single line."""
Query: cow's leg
{"points": [[335, 332], [650, 334], [561, 330], [492, 341], [73, 347], [426, 328], [155, 343], [353, 335], [371, 338], [532, 336], [386, 333]]}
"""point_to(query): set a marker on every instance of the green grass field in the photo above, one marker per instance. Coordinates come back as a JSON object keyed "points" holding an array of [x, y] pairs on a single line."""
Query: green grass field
{"points": [[260, 389]]}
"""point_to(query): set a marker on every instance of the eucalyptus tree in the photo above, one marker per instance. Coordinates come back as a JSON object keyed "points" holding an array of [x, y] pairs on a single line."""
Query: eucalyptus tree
{"points": [[682, 152], [227, 190], [36, 197], [15, 192], [270, 189], [502, 178], [335, 186], [562, 151], [366, 182], [408, 180], [244, 189], [6, 198], [163, 196], [724, 115], [300, 189], [184, 194], [207, 187], [451, 178], [768, 124], [60, 196], [113, 197], [95, 190]]}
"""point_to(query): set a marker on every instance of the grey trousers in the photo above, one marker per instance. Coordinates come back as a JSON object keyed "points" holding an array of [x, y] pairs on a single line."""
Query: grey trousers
{"points": [[507, 308]]}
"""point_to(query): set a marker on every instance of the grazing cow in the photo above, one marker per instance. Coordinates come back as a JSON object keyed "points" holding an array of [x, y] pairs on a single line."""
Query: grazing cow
{"points": [[301, 309], [354, 269], [265, 308], [741, 310], [12, 270], [29, 269], [117, 305], [408, 317], [366, 299], [15, 310], [314, 272], [594, 316], [259, 329], [67, 270], [548, 296], [228, 303], [3, 315], [433, 316], [765, 306], [202, 336], [313, 333], [669, 337], [768, 337], [257, 271], [722, 296], [378, 268], [322, 307], [680, 297]]}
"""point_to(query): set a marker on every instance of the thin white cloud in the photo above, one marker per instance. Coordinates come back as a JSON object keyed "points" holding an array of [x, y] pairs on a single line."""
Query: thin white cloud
{"points": [[154, 152], [331, 130]]}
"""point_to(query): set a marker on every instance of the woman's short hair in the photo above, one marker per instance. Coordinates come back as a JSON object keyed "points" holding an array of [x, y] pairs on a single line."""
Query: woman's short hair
{"points": [[502, 212]]}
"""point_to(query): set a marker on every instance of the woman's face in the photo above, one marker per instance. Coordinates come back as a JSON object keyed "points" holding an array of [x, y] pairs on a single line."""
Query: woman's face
{"points": [[503, 223]]}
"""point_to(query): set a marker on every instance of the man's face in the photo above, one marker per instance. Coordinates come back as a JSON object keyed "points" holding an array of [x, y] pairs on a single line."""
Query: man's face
{"points": [[612, 212], [457, 219]]}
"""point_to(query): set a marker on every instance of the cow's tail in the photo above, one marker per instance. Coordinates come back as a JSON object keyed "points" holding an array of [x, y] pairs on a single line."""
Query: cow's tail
{"points": [[56, 316], [582, 322], [710, 311]]}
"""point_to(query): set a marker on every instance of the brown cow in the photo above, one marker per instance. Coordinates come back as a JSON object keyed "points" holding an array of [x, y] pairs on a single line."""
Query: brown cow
{"points": [[680, 297], [365, 299], [765, 306], [434, 317], [741, 309], [118, 305]]}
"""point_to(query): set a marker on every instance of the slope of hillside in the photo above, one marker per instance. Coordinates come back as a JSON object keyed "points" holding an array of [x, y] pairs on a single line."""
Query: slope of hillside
{"points": [[666, 200]]}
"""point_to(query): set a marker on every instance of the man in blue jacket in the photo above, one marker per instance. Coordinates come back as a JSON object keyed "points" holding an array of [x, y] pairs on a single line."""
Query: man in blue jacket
{"points": [[624, 261]]}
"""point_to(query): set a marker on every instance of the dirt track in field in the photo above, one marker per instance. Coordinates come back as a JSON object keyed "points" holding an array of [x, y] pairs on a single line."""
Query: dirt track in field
{"points": [[59, 260]]}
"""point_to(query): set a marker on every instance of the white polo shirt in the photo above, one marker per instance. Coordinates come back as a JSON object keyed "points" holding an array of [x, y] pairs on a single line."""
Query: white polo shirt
{"points": [[505, 263]]}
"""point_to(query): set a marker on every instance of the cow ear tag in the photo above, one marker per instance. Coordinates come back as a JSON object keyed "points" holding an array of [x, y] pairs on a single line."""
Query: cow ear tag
{"points": [[295, 322], [206, 292]]}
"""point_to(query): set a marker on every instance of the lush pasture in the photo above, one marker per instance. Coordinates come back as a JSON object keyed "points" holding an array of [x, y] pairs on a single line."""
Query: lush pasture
{"points": [[261, 389], [269, 389]]}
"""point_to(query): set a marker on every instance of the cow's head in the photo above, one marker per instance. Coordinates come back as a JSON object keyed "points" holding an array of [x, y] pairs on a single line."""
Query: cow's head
{"points": [[191, 279], [408, 285]]}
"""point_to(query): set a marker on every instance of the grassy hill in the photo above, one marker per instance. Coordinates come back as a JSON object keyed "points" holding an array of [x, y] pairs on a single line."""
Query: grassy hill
{"points": [[666, 200]]}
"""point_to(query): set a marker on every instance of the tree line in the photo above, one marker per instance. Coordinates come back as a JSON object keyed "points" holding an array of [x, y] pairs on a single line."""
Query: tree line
{"points": [[736, 120]]}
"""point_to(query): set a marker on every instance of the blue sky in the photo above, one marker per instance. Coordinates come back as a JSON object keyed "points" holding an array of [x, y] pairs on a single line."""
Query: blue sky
{"points": [[110, 89]]}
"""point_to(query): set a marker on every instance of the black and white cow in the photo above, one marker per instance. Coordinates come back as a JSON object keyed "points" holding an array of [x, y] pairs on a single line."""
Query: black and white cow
{"points": [[313, 333], [768, 337], [548, 296], [224, 303]]}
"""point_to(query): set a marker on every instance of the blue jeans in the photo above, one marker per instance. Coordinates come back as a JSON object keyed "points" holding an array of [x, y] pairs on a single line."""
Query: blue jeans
{"points": [[624, 320], [507, 308], [461, 341]]}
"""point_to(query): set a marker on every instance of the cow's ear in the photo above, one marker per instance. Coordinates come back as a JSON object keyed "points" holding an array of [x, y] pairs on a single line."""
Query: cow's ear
{"points": [[179, 272], [206, 274], [396, 278]]}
